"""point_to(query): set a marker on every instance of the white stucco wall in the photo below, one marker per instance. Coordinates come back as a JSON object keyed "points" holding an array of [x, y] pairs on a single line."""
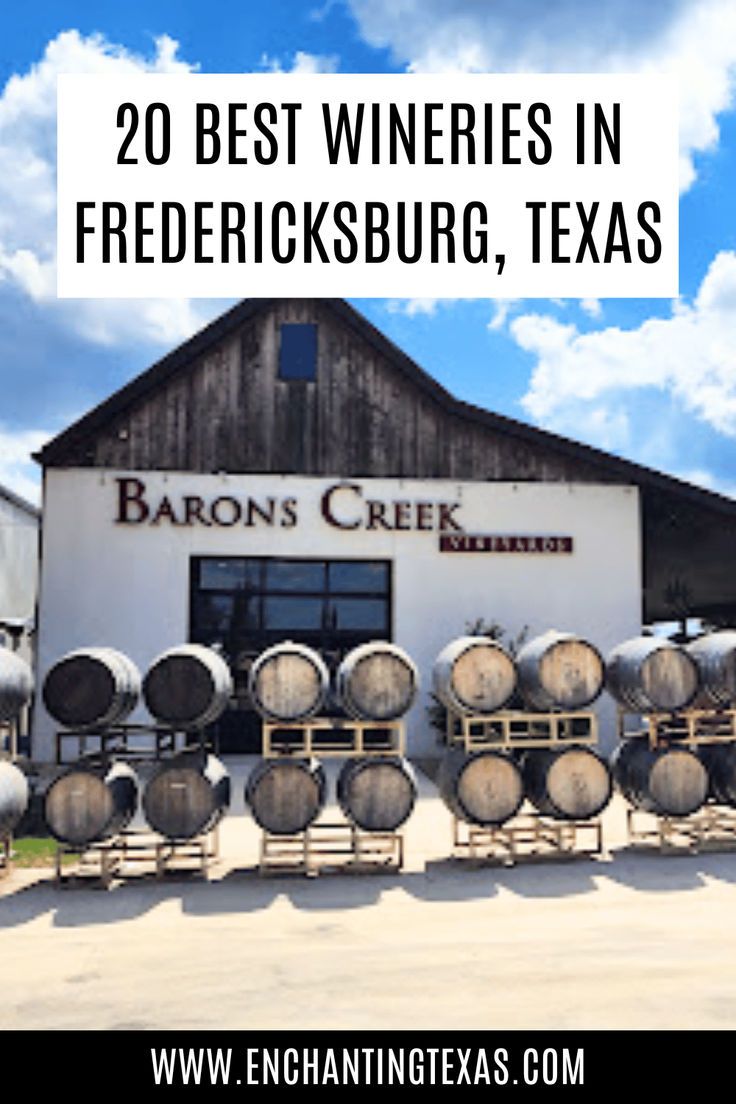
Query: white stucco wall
{"points": [[127, 586]]}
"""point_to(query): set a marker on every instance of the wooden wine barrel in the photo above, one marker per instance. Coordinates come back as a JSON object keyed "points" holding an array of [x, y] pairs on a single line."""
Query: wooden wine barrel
{"points": [[16, 684], [188, 686], [286, 795], [715, 658], [85, 805], [720, 762], [91, 688], [14, 796], [288, 682], [377, 794], [483, 788], [559, 670], [567, 784], [649, 674], [474, 675], [668, 781], [186, 796], [377, 682]]}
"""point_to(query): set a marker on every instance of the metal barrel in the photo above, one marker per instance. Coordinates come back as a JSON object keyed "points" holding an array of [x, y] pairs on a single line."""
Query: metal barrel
{"points": [[16, 684], [14, 795]]}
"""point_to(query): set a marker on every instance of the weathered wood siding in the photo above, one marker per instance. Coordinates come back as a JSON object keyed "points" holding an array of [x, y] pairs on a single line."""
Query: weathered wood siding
{"points": [[228, 411]]}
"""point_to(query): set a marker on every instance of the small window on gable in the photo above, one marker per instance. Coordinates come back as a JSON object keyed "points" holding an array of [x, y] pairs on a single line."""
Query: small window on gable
{"points": [[298, 351]]}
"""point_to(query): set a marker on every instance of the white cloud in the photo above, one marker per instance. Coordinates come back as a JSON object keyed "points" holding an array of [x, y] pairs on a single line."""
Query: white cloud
{"points": [[581, 379], [28, 194], [592, 307], [695, 40], [412, 307], [17, 471], [302, 63]]}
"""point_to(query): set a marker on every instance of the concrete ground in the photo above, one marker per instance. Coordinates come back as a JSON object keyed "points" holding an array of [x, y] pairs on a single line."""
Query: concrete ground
{"points": [[633, 941]]}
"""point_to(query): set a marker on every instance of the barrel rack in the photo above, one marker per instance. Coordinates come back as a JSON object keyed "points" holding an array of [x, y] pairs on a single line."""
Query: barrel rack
{"points": [[324, 847], [528, 837], [153, 742], [712, 828], [136, 853], [335, 846], [133, 852], [332, 737], [688, 727], [514, 729]]}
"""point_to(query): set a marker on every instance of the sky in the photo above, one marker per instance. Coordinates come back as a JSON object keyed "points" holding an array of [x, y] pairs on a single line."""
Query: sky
{"points": [[652, 380]]}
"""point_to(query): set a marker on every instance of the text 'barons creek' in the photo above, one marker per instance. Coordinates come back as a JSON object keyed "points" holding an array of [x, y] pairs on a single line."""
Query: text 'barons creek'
{"points": [[343, 506]]}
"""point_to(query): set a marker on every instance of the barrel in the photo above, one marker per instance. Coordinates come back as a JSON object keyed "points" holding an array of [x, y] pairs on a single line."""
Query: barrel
{"points": [[649, 674], [570, 783], [715, 658], [188, 686], [668, 781], [720, 762], [91, 688], [288, 682], [14, 796], [559, 670], [474, 675], [88, 804], [187, 795], [377, 794], [16, 684], [377, 682], [483, 787], [286, 795]]}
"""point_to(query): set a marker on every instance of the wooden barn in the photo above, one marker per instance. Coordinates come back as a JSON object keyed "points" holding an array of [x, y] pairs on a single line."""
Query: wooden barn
{"points": [[289, 473]]}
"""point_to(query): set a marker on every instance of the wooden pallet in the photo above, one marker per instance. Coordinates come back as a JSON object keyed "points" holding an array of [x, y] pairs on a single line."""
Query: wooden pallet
{"points": [[137, 854], [712, 828], [332, 847], [526, 838], [334, 738], [151, 742], [689, 727], [521, 730]]}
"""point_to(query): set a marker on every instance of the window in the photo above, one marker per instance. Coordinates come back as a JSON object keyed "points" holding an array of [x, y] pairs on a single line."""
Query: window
{"points": [[298, 351], [244, 605]]}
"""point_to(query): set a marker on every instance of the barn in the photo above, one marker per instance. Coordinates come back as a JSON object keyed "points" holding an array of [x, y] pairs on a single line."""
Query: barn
{"points": [[289, 473]]}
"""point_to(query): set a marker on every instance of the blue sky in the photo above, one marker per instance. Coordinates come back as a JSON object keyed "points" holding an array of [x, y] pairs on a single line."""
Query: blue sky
{"points": [[648, 379]]}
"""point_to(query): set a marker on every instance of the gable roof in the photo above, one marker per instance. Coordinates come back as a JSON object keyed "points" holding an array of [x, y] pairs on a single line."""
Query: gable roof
{"points": [[54, 453], [22, 503]]}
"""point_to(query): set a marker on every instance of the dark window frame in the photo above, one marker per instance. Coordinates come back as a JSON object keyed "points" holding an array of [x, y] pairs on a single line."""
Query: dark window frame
{"points": [[298, 352]]}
